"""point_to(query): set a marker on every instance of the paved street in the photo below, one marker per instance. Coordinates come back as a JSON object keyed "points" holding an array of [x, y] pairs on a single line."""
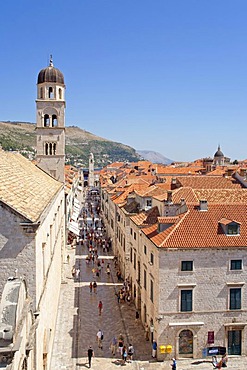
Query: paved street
{"points": [[78, 322]]}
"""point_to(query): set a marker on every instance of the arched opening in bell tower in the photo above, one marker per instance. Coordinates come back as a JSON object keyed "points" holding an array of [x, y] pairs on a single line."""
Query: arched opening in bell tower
{"points": [[54, 120], [60, 94], [41, 93], [46, 120], [51, 93]]}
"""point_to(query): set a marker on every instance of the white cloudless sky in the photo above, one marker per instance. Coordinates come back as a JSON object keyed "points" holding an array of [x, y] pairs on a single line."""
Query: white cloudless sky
{"points": [[168, 76]]}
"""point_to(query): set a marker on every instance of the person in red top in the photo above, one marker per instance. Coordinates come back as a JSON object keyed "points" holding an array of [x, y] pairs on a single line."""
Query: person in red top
{"points": [[100, 306]]}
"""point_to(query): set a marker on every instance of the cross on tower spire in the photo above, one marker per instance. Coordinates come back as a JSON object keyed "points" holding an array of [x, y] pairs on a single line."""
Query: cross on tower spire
{"points": [[51, 61]]}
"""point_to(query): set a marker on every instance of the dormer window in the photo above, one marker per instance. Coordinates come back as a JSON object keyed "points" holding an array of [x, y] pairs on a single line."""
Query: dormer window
{"points": [[230, 227], [233, 229]]}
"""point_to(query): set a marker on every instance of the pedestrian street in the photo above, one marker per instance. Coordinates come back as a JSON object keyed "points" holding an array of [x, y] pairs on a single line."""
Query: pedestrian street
{"points": [[79, 321]]}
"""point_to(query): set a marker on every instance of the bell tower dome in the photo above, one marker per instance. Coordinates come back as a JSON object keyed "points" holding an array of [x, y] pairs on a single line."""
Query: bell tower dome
{"points": [[50, 121]]}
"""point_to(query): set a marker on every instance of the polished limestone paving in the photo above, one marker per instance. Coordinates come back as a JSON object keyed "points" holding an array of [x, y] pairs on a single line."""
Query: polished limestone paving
{"points": [[78, 322]]}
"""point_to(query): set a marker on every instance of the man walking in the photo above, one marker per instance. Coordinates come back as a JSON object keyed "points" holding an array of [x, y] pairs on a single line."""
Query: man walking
{"points": [[90, 354], [113, 345], [95, 287], [100, 337]]}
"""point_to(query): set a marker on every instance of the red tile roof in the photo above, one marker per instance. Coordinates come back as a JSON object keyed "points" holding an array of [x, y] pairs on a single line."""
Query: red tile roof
{"points": [[208, 182], [201, 229]]}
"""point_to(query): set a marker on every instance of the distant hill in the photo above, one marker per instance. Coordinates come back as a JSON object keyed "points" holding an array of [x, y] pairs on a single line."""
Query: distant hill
{"points": [[79, 144], [154, 157]]}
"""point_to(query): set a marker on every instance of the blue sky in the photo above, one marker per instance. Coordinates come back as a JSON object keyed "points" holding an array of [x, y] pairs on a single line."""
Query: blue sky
{"points": [[169, 76]]}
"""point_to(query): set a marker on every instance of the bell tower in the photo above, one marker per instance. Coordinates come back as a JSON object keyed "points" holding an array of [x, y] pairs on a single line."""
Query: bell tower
{"points": [[50, 121], [91, 171]]}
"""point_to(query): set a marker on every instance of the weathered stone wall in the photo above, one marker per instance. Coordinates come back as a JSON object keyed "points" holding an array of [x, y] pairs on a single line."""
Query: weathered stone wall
{"points": [[210, 281], [17, 250]]}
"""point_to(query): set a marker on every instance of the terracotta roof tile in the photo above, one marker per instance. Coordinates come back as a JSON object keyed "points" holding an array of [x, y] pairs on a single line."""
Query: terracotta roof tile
{"points": [[201, 229], [225, 221], [230, 196], [208, 182]]}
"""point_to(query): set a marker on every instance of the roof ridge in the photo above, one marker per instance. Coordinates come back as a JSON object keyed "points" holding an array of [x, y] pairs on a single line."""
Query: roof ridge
{"points": [[174, 227]]}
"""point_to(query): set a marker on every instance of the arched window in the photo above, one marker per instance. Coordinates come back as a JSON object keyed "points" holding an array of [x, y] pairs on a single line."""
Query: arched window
{"points": [[50, 148], [54, 120], [46, 120], [60, 93], [46, 148], [51, 93], [41, 93]]}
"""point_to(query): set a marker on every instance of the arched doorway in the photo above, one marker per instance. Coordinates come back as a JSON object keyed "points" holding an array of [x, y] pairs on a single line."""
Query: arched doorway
{"points": [[185, 343]]}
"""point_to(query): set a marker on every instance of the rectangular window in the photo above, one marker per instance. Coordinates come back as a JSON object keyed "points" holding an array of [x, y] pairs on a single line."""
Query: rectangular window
{"points": [[145, 249], [135, 235], [152, 290], [187, 266], [149, 202], [131, 255], [134, 260], [145, 279], [235, 299], [152, 258], [186, 300], [131, 231], [236, 264]]}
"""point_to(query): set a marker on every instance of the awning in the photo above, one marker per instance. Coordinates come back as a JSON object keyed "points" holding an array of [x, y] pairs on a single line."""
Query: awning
{"points": [[74, 228], [76, 202], [74, 216]]}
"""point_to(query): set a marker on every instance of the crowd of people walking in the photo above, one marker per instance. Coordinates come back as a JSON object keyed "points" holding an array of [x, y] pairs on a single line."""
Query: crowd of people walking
{"points": [[101, 266]]}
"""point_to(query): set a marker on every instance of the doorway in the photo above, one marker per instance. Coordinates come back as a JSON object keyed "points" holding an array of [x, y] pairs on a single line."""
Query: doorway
{"points": [[234, 342], [186, 343]]}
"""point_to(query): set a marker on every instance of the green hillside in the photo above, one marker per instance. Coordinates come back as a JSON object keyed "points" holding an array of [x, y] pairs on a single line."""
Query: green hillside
{"points": [[20, 136]]}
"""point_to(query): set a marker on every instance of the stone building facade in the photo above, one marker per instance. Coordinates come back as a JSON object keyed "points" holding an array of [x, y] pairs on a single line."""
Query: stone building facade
{"points": [[15, 326], [32, 244], [186, 263]]}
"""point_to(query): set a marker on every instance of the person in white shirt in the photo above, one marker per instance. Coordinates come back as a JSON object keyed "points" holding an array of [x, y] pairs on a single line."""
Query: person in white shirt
{"points": [[99, 337]]}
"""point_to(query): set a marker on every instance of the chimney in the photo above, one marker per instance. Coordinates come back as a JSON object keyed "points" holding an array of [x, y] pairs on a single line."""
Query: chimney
{"points": [[203, 205], [174, 183], [230, 171], [169, 196], [243, 172]]}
